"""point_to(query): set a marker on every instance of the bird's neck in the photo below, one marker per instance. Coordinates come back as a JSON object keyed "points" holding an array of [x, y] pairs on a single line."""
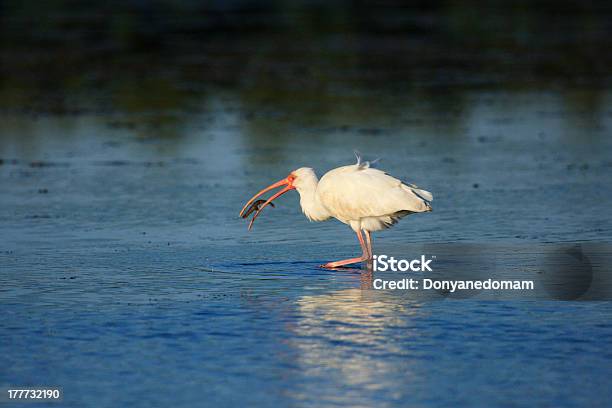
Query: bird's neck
{"points": [[311, 205]]}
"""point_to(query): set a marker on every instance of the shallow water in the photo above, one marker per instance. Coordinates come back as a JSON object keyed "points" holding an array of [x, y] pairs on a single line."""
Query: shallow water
{"points": [[126, 268], [129, 279]]}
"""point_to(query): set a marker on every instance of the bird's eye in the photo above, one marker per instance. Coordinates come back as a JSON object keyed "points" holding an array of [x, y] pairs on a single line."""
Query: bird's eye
{"points": [[290, 178]]}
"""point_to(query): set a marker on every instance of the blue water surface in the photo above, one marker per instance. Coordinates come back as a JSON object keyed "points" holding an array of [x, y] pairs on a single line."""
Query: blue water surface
{"points": [[128, 279]]}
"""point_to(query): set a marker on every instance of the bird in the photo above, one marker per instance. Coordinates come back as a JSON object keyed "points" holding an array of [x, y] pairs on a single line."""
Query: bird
{"points": [[363, 197]]}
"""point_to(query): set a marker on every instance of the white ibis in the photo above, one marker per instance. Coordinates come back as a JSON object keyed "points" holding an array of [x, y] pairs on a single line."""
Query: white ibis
{"points": [[358, 195]]}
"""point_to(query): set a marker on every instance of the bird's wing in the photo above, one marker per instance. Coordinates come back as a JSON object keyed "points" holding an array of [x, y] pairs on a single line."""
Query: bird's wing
{"points": [[355, 191]]}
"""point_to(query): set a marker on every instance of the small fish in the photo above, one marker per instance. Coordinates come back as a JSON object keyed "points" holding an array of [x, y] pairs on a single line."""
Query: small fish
{"points": [[254, 207]]}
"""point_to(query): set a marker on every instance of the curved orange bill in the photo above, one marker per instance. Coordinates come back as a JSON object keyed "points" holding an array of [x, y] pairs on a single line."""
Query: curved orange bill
{"points": [[284, 182]]}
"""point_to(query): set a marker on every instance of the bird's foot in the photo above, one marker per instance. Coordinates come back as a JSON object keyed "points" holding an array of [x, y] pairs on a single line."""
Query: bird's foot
{"points": [[343, 262]]}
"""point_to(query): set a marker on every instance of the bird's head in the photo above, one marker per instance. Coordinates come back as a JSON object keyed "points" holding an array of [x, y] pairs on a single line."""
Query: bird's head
{"points": [[296, 180], [303, 178]]}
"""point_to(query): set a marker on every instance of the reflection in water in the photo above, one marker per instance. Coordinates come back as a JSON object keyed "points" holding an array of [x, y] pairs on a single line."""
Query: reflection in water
{"points": [[346, 339]]}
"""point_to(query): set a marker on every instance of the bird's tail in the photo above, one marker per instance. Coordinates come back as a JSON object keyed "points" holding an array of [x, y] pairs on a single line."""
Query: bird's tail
{"points": [[423, 194]]}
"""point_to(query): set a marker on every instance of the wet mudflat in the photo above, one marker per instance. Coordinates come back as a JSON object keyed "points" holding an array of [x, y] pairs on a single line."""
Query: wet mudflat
{"points": [[127, 276]]}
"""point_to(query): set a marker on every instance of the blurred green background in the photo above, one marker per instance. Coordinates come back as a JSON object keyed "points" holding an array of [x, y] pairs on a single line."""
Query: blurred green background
{"points": [[297, 58]]}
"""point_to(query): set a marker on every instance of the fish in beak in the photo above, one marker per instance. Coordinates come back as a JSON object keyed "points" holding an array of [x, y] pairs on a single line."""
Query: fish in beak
{"points": [[257, 206]]}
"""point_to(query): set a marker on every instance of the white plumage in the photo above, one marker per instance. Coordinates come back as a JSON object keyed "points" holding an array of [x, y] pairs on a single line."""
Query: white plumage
{"points": [[365, 198]]}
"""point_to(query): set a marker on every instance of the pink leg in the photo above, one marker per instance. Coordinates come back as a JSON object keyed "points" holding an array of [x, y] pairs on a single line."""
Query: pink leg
{"points": [[363, 257], [368, 244]]}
